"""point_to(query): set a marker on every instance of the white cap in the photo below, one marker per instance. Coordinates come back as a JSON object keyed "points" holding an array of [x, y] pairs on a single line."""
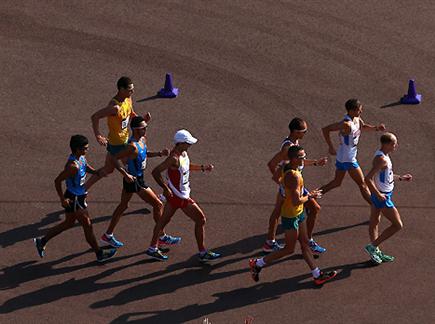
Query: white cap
{"points": [[183, 136]]}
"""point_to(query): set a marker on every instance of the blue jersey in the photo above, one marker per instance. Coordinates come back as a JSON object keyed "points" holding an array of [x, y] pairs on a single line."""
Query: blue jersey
{"points": [[76, 184], [136, 166]]}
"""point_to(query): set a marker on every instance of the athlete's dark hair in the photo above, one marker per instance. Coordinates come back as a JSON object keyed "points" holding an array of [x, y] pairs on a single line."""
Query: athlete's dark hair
{"points": [[293, 151], [123, 82], [296, 124], [135, 122], [387, 138], [77, 142], [352, 104]]}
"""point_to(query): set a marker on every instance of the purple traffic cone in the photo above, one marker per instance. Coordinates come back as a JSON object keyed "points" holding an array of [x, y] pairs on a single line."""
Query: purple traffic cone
{"points": [[168, 91], [412, 98]]}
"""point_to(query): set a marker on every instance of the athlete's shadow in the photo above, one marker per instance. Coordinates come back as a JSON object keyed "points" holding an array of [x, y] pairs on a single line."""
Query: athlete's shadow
{"points": [[29, 231], [27, 271], [238, 298], [338, 229]]}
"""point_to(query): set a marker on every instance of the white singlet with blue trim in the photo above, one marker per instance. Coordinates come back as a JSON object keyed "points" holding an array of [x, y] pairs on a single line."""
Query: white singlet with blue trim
{"points": [[384, 179], [348, 143]]}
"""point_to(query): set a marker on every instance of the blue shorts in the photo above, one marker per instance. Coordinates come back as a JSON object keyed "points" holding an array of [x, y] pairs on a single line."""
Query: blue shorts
{"points": [[115, 149], [292, 223], [388, 203], [344, 166]]}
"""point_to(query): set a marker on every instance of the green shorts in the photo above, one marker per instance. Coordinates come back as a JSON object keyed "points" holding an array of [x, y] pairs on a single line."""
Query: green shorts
{"points": [[292, 223]]}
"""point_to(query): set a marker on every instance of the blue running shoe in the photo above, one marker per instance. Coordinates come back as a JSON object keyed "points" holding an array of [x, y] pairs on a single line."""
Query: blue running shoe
{"points": [[40, 247], [209, 256], [105, 254], [156, 254], [316, 248], [112, 241], [275, 246], [169, 240]]}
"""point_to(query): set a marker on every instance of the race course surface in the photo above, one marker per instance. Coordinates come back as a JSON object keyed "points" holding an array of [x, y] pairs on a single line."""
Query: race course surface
{"points": [[244, 70]]}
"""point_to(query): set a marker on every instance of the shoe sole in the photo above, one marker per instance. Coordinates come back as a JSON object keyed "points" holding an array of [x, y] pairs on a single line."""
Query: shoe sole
{"points": [[105, 259], [371, 257], [208, 260], [319, 283], [109, 244], [41, 255], [156, 258]]}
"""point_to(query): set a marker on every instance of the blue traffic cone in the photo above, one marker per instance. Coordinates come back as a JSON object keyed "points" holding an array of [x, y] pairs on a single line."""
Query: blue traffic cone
{"points": [[412, 98], [168, 91]]}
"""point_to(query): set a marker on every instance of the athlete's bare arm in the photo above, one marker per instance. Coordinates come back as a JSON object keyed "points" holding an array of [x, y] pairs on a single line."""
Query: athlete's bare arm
{"points": [[342, 126], [111, 110], [71, 168], [277, 158], [170, 162], [368, 127], [129, 153], [379, 163], [201, 167], [164, 152]]}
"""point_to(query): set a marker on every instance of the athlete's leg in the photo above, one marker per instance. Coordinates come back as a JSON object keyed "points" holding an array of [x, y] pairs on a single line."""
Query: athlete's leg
{"points": [[339, 176], [358, 176], [274, 217], [313, 209], [194, 212], [85, 221], [123, 205], [103, 172], [303, 241], [69, 221], [151, 198], [290, 237], [168, 212], [392, 214], [375, 218]]}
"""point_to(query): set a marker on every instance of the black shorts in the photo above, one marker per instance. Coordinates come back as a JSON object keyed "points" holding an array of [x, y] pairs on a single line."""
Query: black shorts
{"points": [[77, 202], [135, 186]]}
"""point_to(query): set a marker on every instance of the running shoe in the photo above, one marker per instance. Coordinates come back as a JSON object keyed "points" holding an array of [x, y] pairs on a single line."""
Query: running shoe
{"points": [[40, 247], [255, 270], [156, 254], [373, 253], [105, 254], [275, 246], [324, 277], [112, 241], [169, 240], [209, 256], [316, 248], [384, 257]]}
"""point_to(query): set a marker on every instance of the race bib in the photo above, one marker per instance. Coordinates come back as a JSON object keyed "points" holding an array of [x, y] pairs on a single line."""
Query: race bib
{"points": [[185, 179], [144, 164], [82, 180], [124, 123]]}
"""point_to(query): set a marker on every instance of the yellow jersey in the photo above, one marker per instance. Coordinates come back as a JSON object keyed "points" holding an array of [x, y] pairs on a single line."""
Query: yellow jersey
{"points": [[288, 209], [118, 124]]}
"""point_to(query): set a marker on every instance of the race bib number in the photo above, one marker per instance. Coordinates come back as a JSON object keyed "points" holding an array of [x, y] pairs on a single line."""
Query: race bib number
{"points": [[82, 180], [185, 179], [124, 123], [144, 164]]}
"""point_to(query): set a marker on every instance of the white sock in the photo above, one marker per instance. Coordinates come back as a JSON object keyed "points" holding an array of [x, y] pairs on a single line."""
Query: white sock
{"points": [[109, 235], [260, 263], [316, 272], [270, 242], [153, 248]]}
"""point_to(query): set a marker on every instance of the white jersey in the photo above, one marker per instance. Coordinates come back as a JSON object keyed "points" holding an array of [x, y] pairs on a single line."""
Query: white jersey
{"points": [[348, 143], [288, 141], [178, 179], [384, 179]]}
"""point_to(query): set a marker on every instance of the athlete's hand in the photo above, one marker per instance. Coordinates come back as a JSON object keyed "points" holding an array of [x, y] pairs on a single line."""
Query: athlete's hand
{"points": [[101, 140], [208, 167], [406, 177], [382, 197], [381, 128], [167, 193], [65, 202], [332, 151], [129, 178], [322, 161], [164, 152], [147, 117], [316, 194]]}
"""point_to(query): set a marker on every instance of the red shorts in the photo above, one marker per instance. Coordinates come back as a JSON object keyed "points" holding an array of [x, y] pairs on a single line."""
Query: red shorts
{"points": [[178, 202]]}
